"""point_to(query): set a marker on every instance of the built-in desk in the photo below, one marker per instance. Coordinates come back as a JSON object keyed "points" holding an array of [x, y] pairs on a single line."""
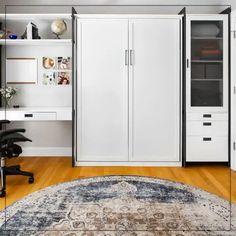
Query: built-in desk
{"points": [[36, 114]]}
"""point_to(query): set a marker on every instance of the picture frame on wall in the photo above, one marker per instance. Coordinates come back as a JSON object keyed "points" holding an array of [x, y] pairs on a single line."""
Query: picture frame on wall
{"points": [[49, 78], [49, 63], [64, 63], [63, 78]]}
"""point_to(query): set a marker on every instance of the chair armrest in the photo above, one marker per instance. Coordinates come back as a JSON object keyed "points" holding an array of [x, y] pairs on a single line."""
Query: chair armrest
{"points": [[10, 131], [4, 122]]}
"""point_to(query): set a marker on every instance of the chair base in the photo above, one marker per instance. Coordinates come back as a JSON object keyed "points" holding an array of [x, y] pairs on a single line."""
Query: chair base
{"points": [[13, 170]]}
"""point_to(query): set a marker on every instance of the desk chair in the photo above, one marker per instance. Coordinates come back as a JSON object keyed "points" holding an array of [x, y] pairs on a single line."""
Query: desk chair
{"points": [[9, 149]]}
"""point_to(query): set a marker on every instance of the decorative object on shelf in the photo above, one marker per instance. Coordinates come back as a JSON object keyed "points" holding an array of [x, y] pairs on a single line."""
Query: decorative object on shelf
{"points": [[12, 36], [64, 63], [211, 53], [31, 32], [49, 62], [5, 33], [7, 94], [63, 78], [58, 27], [205, 30], [2, 34], [49, 78]]}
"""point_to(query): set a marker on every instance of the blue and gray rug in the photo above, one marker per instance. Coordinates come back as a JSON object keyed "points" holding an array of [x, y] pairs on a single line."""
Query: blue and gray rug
{"points": [[118, 206]]}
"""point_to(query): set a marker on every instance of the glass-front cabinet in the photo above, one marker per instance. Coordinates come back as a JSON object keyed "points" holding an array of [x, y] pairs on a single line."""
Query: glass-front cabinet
{"points": [[207, 95], [207, 63]]}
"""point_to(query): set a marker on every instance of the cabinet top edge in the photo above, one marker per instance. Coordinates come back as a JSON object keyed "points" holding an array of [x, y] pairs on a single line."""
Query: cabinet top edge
{"points": [[207, 16], [126, 16]]}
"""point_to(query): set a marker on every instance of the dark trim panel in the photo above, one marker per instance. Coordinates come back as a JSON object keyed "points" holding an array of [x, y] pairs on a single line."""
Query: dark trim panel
{"points": [[183, 12], [74, 86], [228, 12]]}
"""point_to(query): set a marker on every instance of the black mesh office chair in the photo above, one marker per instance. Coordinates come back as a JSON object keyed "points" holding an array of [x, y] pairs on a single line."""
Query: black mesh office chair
{"points": [[9, 149]]}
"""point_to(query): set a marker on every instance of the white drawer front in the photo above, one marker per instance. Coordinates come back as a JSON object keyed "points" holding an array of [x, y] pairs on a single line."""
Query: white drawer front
{"points": [[44, 116], [207, 116], [21, 116], [212, 128], [214, 150]]}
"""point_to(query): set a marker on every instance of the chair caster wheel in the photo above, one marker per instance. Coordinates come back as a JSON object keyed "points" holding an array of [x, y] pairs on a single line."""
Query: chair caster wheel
{"points": [[31, 180], [2, 193]]}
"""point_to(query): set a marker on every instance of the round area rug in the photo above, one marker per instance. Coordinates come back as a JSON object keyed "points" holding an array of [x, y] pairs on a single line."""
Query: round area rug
{"points": [[117, 205]]}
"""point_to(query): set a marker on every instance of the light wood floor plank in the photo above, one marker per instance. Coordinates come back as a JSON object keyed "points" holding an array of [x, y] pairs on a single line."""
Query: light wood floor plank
{"points": [[54, 170]]}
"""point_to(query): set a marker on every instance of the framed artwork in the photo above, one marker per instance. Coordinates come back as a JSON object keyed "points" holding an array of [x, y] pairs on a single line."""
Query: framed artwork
{"points": [[49, 78], [63, 78], [49, 63], [64, 63]]}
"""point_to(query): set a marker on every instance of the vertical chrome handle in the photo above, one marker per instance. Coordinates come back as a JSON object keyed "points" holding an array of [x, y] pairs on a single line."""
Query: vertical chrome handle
{"points": [[131, 57], [187, 63], [126, 57]]}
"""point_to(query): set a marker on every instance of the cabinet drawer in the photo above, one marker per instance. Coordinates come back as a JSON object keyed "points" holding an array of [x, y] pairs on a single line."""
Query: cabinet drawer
{"points": [[207, 116], [44, 116], [207, 149], [212, 128], [21, 116]]}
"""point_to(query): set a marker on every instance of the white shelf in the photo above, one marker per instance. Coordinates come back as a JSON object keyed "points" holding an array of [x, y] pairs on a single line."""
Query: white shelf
{"points": [[207, 80], [207, 61], [206, 38], [34, 16], [27, 42]]}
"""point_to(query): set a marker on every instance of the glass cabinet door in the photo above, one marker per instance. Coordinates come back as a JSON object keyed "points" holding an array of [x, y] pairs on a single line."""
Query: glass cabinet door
{"points": [[206, 63]]}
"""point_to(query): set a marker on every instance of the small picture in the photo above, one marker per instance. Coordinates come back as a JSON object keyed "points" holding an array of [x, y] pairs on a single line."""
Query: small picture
{"points": [[49, 63], [64, 63], [63, 78], [49, 78]]}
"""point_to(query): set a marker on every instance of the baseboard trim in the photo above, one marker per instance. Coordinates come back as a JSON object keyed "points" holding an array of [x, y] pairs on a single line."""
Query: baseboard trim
{"points": [[47, 151], [142, 164]]}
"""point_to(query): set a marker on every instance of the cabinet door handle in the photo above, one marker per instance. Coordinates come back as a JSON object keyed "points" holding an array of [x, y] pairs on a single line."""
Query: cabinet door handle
{"points": [[126, 57], [131, 57], [206, 123], [206, 115], [28, 115], [206, 139], [187, 63]]}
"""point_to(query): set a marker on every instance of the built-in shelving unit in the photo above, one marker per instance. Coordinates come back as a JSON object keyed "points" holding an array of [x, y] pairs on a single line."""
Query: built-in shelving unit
{"points": [[17, 23], [47, 102]]}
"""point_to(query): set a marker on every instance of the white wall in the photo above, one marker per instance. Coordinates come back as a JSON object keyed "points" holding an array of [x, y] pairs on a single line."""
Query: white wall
{"points": [[121, 6]]}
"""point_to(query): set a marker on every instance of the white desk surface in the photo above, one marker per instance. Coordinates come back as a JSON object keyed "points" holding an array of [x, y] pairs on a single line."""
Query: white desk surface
{"points": [[36, 113]]}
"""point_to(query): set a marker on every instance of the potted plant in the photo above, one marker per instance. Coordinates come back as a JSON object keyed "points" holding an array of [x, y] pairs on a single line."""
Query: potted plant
{"points": [[7, 94]]}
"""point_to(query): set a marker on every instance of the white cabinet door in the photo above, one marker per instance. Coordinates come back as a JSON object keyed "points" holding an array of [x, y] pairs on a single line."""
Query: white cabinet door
{"points": [[155, 76], [102, 88]]}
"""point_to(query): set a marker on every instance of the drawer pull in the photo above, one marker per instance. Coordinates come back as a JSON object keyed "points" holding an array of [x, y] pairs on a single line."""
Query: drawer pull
{"points": [[206, 115], [206, 123], [206, 139], [28, 115]]}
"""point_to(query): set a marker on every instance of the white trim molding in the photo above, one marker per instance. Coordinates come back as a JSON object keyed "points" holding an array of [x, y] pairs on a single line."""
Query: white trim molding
{"points": [[47, 151]]}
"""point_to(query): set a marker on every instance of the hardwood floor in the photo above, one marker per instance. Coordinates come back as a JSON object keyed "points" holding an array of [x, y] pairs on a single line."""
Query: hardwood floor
{"points": [[54, 170]]}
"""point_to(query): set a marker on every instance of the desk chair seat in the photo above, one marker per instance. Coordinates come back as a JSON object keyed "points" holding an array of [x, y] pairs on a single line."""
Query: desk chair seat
{"points": [[9, 149]]}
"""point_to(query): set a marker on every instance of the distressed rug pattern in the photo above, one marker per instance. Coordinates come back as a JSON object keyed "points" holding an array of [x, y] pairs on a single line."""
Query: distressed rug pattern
{"points": [[118, 206]]}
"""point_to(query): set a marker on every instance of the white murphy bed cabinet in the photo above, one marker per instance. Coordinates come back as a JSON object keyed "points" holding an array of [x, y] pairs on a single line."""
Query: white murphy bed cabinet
{"points": [[207, 88], [128, 90]]}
